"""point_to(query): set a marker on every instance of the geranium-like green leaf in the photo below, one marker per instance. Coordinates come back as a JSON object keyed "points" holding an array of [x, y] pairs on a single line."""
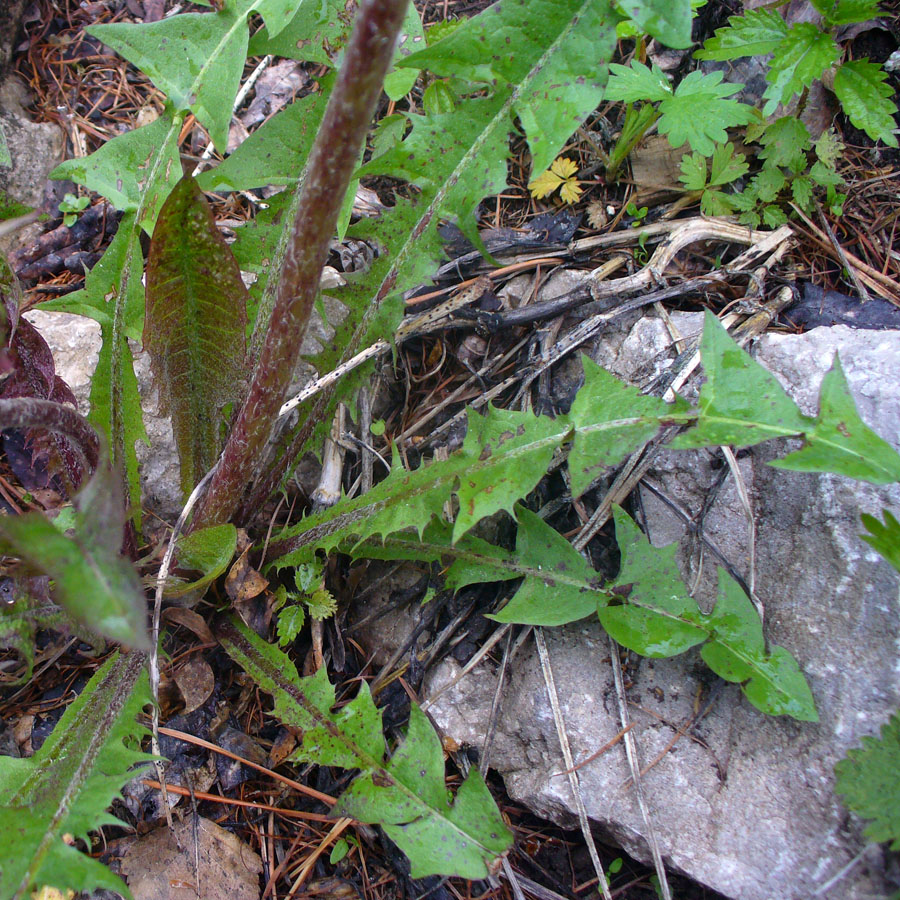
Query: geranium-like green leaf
{"points": [[756, 33], [135, 169], [740, 403], [604, 433], [208, 550], [405, 793], [803, 55], [196, 59], [726, 165], [840, 441], [699, 112], [860, 86], [637, 82], [868, 779], [884, 536], [67, 786], [195, 325], [572, 39]]}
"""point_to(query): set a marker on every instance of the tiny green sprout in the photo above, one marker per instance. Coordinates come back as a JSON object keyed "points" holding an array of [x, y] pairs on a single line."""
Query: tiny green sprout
{"points": [[377, 427], [69, 206], [342, 848], [638, 214], [339, 851]]}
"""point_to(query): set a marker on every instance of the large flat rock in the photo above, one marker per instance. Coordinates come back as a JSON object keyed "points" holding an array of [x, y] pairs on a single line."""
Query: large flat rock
{"points": [[741, 802]]}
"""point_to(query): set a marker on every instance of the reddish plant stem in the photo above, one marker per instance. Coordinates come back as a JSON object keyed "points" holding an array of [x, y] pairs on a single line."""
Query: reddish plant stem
{"points": [[332, 162]]}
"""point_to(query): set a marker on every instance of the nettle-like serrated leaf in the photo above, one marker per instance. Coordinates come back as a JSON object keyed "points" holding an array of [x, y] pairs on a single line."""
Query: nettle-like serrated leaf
{"points": [[804, 54], [825, 176], [773, 216], [275, 153], [829, 148], [636, 82], [802, 191], [866, 99], [113, 296], [404, 793], [716, 203], [611, 420], [208, 550], [134, 170], [195, 325], [868, 779], [698, 113], [291, 619], [67, 786], [840, 441], [195, 59], [669, 21], [785, 142], [768, 183], [846, 12], [553, 53], [741, 403], [658, 617], [756, 33], [883, 536]]}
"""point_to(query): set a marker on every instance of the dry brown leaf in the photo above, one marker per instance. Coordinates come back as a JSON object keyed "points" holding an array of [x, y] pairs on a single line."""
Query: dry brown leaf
{"points": [[157, 870], [243, 582], [196, 682], [191, 620]]}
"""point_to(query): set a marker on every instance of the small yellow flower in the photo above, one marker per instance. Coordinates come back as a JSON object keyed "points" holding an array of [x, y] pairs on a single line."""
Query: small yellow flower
{"points": [[560, 175]]}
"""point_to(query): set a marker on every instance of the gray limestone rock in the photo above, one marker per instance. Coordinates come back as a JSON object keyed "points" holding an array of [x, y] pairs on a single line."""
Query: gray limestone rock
{"points": [[740, 802], [35, 147]]}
